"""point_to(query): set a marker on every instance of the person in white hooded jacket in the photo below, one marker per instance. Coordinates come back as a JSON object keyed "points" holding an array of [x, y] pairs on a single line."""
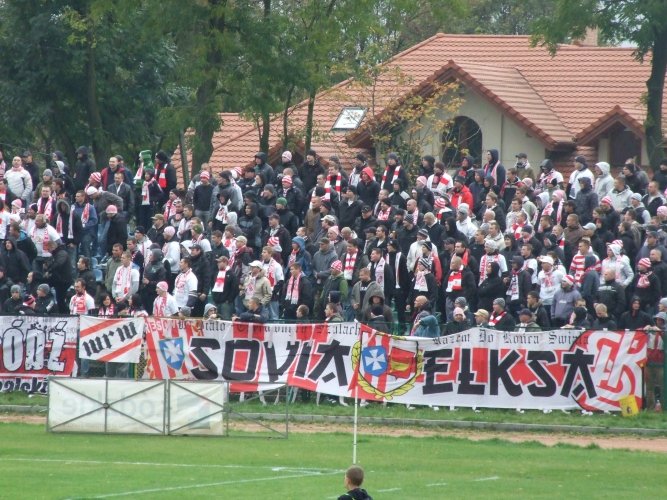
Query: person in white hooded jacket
{"points": [[619, 263], [604, 182]]}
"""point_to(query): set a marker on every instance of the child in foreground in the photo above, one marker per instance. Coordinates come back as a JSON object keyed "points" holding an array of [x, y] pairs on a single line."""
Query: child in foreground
{"points": [[354, 477]]}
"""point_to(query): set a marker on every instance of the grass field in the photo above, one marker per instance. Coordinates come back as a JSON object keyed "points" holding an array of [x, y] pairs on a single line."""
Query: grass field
{"points": [[36, 464]]}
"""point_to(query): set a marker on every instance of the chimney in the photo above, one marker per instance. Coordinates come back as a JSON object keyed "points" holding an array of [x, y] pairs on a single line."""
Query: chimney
{"points": [[590, 39]]}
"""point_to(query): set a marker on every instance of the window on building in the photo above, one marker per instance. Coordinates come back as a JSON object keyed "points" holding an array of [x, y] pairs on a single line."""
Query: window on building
{"points": [[623, 144], [348, 119], [464, 138]]}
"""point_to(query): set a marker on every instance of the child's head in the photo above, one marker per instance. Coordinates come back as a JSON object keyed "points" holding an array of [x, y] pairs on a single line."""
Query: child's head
{"points": [[354, 476]]}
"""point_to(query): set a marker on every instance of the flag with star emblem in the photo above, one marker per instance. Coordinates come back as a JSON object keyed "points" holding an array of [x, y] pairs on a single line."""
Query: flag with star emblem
{"points": [[168, 347]]}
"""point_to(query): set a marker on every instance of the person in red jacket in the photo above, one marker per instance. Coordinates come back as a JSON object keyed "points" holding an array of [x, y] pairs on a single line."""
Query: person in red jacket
{"points": [[460, 193]]}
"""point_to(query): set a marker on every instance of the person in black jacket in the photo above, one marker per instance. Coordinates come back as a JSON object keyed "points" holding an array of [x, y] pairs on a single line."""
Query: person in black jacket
{"points": [[586, 200], [12, 304], [82, 169], [349, 208], [309, 171], [519, 284], [297, 292], [201, 269], [15, 261], [500, 318], [458, 282], [86, 274], [398, 262], [225, 287], [490, 288], [117, 229], [539, 312], [154, 272], [165, 173], [59, 274]]}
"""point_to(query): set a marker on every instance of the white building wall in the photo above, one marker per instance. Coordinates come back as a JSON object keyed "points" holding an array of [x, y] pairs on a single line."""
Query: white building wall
{"points": [[498, 132]]}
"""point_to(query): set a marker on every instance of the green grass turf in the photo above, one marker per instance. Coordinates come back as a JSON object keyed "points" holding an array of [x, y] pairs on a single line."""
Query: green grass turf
{"points": [[645, 420], [36, 464]]}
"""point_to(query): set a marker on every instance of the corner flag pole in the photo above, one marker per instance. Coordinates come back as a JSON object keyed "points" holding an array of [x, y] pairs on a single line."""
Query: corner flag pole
{"points": [[354, 432]]}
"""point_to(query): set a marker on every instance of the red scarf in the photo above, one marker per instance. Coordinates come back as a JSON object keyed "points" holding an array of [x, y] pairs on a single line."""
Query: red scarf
{"points": [[488, 170], [79, 304], [549, 209], [292, 295], [145, 193], [454, 282], [292, 258], [219, 285], [124, 279], [59, 225], [644, 281], [46, 208], [379, 271], [159, 305], [45, 241], [384, 214], [337, 179], [106, 312], [162, 176], [350, 261], [397, 170], [493, 320]]}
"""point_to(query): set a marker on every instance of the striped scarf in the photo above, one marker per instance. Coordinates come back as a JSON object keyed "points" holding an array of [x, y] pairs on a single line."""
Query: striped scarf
{"points": [[397, 171]]}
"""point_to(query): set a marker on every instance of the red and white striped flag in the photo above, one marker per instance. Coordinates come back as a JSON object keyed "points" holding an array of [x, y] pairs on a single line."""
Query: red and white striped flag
{"points": [[117, 339]]}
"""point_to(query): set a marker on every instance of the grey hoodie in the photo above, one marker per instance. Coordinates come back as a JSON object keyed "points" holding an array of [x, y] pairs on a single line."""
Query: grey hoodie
{"points": [[604, 184]]}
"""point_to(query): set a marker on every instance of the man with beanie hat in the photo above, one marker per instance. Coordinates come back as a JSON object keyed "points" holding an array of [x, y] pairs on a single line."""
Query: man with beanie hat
{"points": [[44, 303], [580, 171], [285, 162], [349, 208], [459, 322], [646, 286], [564, 301], [12, 304], [500, 319], [335, 285], [393, 171], [164, 305]]}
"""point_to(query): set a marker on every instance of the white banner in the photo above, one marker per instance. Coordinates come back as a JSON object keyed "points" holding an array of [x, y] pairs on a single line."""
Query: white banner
{"points": [[563, 369], [111, 339]]}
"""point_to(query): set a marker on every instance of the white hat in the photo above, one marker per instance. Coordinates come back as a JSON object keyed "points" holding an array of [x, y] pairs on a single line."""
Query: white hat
{"points": [[255, 263], [91, 190]]}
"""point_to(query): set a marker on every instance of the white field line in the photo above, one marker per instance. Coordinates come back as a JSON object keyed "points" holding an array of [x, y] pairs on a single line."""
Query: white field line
{"points": [[388, 490], [492, 478], [432, 485], [307, 470], [206, 485]]}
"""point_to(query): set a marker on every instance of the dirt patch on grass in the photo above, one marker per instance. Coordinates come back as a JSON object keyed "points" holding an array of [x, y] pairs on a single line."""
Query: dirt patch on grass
{"points": [[635, 443]]}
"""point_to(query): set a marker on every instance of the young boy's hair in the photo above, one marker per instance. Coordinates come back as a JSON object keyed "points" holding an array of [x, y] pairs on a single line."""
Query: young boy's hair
{"points": [[355, 475]]}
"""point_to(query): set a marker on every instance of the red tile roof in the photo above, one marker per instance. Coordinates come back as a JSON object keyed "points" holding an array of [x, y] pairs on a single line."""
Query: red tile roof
{"points": [[562, 100]]}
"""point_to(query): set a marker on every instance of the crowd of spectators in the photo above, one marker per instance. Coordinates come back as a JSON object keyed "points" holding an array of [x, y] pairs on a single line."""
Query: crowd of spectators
{"points": [[426, 253]]}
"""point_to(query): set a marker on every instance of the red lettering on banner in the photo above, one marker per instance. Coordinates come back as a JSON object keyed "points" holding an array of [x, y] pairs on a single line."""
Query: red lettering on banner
{"points": [[316, 332], [250, 331], [241, 359], [480, 364]]}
